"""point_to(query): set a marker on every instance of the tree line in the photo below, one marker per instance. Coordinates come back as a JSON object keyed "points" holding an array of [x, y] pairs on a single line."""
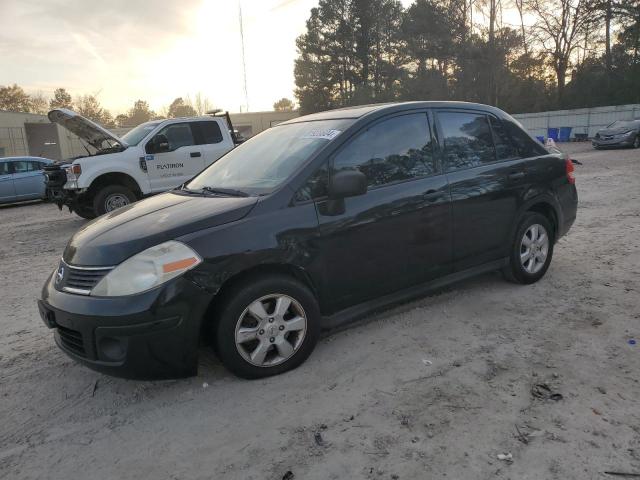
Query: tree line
{"points": [[577, 53], [13, 98]]}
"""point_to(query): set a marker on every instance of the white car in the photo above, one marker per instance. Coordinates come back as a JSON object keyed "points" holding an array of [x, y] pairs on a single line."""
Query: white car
{"points": [[153, 157]]}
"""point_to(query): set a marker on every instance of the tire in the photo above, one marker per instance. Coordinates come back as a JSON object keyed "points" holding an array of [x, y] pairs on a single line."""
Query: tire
{"points": [[269, 334], [526, 272], [112, 197], [636, 142]]}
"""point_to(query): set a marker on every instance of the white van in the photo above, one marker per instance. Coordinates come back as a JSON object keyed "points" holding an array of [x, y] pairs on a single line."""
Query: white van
{"points": [[153, 157]]}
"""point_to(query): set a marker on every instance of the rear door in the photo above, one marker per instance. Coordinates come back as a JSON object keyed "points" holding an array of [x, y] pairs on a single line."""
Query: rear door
{"points": [[28, 179], [211, 140], [487, 179], [182, 162], [398, 233], [7, 190]]}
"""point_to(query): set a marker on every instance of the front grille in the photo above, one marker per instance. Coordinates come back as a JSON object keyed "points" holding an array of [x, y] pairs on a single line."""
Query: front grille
{"points": [[72, 340], [79, 280]]}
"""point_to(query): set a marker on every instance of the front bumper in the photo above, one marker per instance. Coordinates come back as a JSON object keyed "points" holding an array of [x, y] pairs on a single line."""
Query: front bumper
{"points": [[151, 335], [626, 141]]}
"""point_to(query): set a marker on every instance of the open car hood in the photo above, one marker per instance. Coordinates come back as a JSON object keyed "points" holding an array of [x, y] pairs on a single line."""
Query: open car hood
{"points": [[89, 131]]}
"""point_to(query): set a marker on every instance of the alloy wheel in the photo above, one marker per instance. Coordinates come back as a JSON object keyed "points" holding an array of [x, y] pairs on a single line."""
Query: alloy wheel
{"points": [[115, 201], [270, 330], [534, 248]]}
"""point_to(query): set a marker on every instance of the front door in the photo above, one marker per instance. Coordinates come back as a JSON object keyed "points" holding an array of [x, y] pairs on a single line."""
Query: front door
{"points": [[486, 177], [181, 162], [7, 190], [398, 233], [28, 179]]}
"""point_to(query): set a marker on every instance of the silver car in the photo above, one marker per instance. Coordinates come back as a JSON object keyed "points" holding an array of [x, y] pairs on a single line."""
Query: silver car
{"points": [[621, 133], [21, 178]]}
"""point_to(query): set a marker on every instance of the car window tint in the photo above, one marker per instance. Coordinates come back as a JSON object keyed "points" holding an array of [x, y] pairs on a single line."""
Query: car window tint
{"points": [[504, 147], [207, 133], [4, 168], [22, 166], [467, 140], [178, 135], [391, 151], [526, 146], [315, 187]]}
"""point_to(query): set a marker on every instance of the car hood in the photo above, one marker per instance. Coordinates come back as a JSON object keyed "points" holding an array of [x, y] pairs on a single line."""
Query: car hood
{"points": [[89, 131], [116, 236]]}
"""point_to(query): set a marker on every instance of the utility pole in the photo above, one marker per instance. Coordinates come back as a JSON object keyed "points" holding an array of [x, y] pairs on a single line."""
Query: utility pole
{"points": [[244, 65]]}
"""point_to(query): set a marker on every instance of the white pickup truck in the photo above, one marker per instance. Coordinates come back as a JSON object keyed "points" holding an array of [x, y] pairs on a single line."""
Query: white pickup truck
{"points": [[153, 157]]}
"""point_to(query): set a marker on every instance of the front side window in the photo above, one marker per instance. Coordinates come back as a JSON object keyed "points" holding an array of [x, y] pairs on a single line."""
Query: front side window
{"points": [[391, 151], [468, 140], [178, 135], [4, 168], [23, 166], [266, 160], [316, 186]]}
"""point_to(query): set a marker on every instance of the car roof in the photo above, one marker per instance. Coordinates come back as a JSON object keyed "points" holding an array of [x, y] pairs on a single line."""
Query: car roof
{"points": [[360, 111], [25, 157]]}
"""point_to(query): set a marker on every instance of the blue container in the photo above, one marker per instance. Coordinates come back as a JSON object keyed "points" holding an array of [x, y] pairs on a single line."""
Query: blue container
{"points": [[565, 134], [540, 139], [553, 133]]}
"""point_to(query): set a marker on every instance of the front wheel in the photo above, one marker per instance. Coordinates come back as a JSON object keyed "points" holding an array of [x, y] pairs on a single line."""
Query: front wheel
{"points": [[636, 142], [531, 251], [111, 198], [266, 327]]}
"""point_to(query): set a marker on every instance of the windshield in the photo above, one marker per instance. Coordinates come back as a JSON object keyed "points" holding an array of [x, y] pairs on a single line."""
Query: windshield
{"points": [[622, 124], [133, 137], [265, 161]]}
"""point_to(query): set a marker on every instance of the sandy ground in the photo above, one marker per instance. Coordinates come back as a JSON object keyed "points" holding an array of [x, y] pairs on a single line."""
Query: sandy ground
{"points": [[435, 388]]}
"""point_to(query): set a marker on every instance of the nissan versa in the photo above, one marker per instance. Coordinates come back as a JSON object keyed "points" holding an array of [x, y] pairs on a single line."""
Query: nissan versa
{"points": [[305, 226]]}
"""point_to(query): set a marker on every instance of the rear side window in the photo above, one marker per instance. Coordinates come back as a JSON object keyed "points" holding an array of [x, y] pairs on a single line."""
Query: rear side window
{"points": [[206, 133], [504, 147], [526, 146], [393, 150], [468, 140]]}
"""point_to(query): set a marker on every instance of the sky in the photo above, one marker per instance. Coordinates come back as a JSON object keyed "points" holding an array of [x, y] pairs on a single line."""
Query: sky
{"points": [[125, 50]]}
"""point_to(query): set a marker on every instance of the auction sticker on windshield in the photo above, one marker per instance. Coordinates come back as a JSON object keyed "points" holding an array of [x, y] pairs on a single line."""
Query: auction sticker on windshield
{"points": [[329, 134]]}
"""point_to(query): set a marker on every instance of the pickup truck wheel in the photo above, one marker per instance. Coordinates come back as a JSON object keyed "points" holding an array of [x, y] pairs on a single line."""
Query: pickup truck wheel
{"points": [[111, 198], [266, 326]]}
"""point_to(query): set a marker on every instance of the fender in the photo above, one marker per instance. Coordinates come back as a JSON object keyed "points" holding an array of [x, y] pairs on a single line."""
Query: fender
{"points": [[535, 195], [91, 171]]}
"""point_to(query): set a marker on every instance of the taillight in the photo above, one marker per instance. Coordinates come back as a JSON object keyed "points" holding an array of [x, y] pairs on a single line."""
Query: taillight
{"points": [[571, 176]]}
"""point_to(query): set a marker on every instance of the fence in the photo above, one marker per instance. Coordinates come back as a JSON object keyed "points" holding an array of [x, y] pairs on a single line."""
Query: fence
{"points": [[582, 120]]}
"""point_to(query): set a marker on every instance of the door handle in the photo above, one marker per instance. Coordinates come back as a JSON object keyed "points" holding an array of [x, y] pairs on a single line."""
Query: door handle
{"points": [[515, 175], [195, 154]]}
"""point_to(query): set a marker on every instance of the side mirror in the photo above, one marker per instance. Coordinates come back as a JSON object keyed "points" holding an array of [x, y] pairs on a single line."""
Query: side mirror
{"points": [[158, 144], [347, 183]]}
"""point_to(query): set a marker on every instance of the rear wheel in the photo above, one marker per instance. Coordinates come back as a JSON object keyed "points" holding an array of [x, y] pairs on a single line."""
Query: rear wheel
{"points": [[266, 327], [532, 249], [111, 198]]}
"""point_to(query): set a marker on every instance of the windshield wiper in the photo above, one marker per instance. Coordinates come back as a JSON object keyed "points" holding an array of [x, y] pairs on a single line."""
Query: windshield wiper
{"points": [[218, 191]]}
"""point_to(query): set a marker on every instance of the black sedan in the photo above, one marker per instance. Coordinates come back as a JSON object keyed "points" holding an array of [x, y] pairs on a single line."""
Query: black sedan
{"points": [[621, 133], [306, 226]]}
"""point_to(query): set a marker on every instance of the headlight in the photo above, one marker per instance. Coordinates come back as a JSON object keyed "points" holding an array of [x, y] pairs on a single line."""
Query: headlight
{"points": [[73, 171], [147, 269], [624, 134]]}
